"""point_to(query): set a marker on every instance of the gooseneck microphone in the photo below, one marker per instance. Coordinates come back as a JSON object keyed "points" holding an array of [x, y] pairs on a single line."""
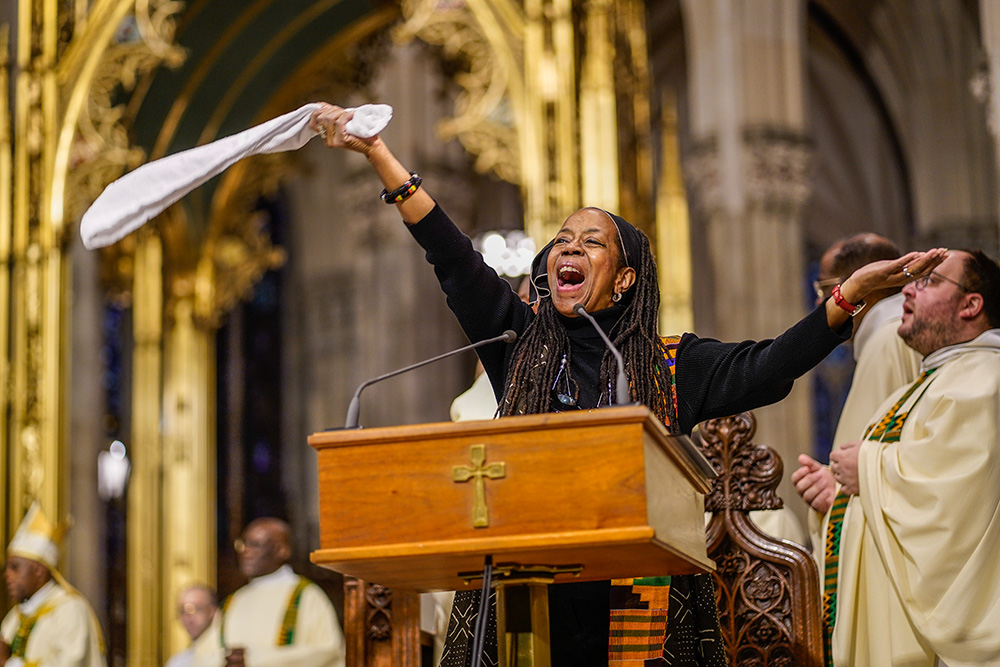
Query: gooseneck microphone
{"points": [[354, 409], [621, 384]]}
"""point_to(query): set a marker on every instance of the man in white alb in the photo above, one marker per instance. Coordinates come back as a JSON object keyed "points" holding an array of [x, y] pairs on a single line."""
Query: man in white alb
{"points": [[278, 617]]}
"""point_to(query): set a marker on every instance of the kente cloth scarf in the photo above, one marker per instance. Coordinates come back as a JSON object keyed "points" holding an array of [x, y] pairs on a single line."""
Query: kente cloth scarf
{"points": [[142, 194]]}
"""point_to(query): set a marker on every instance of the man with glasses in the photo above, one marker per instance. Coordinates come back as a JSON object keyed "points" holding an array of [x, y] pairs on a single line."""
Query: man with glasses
{"points": [[279, 617], [912, 575], [196, 607]]}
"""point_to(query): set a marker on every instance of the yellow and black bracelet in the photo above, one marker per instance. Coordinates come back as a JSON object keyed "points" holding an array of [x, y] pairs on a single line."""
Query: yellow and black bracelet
{"points": [[403, 191]]}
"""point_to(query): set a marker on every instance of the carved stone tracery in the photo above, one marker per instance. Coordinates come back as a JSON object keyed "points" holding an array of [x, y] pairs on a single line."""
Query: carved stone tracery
{"points": [[777, 170], [484, 121]]}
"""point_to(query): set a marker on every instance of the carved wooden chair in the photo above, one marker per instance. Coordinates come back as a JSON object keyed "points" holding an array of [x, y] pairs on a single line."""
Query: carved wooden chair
{"points": [[767, 589]]}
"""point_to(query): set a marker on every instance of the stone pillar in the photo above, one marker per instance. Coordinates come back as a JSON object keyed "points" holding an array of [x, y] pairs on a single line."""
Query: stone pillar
{"points": [[749, 169], [989, 15]]}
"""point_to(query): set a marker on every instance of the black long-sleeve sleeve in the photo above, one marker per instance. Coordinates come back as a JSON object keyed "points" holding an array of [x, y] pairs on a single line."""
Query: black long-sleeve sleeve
{"points": [[483, 302], [714, 379]]}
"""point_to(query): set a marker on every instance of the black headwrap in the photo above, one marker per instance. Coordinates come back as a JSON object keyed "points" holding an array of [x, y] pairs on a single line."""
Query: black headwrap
{"points": [[630, 242]]}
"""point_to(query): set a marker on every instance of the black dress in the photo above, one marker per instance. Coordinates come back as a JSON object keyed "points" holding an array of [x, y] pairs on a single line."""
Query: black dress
{"points": [[713, 379]]}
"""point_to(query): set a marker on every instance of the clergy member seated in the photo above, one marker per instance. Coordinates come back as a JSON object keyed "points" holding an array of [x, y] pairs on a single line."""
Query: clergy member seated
{"points": [[279, 617], [196, 610], [51, 624]]}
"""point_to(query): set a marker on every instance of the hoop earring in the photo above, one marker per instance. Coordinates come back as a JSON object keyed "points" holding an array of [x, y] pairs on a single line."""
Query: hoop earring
{"points": [[616, 297]]}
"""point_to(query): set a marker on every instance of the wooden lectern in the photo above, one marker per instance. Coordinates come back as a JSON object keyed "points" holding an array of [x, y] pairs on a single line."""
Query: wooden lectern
{"points": [[598, 494]]}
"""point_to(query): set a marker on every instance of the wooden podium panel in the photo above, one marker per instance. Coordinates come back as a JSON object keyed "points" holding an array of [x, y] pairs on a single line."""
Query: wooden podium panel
{"points": [[608, 490]]}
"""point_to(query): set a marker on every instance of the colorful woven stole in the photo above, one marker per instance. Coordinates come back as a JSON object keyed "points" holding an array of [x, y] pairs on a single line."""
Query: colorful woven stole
{"points": [[19, 643], [286, 633], [639, 606], [886, 429]]}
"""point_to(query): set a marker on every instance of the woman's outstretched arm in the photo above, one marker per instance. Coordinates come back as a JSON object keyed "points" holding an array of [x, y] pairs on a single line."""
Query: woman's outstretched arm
{"points": [[330, 122]]}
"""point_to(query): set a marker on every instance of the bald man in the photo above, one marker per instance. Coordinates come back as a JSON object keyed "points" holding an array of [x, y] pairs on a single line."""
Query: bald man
{"points": [[278, 618]]}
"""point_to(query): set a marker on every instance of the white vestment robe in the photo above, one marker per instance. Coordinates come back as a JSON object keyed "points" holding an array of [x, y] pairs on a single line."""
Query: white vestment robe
{"points": [[253, 618], [919, 572], [884, 364], [66, 632]]}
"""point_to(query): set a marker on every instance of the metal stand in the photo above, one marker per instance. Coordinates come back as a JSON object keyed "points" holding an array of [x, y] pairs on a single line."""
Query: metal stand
{"points": [[523, 612]]}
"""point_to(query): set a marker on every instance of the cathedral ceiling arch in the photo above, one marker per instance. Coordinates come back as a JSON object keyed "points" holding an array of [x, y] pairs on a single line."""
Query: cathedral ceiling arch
{"points": [[241, 63], [924, 58]]}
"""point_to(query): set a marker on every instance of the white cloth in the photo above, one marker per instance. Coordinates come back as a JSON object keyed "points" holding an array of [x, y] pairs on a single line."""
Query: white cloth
{"points": [[477, 402], [187, 657], [65, 634], [884, 363], [139, 196], [988, 340], [253, 618], [183, 658]]}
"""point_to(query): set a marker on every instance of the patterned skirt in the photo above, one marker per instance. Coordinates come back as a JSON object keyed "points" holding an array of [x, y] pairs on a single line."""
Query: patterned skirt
{"points": [[648, 622]]}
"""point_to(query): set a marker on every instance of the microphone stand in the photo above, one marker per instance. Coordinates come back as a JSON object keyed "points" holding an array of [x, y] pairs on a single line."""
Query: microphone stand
{"points": [[621, 383], [354, 409]]}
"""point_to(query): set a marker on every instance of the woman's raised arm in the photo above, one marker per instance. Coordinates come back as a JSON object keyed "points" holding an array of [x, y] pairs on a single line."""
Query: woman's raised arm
{"points": [[330, 122]]}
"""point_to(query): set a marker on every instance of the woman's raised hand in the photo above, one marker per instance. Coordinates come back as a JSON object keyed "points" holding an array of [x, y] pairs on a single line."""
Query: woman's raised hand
{"points": [[330, 122], [890, 273]]}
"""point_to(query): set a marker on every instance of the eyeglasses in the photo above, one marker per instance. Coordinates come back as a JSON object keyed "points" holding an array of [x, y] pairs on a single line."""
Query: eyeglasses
{"points": [[241, 545], [190, 609], [821, 287], [921, 283]]}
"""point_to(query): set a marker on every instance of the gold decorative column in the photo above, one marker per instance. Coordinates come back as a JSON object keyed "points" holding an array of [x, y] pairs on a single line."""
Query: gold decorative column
{"points": [[599, 110], [673, 232], [145, 504], [188, 454], [568, 141], [38, 295], [6, 228]]}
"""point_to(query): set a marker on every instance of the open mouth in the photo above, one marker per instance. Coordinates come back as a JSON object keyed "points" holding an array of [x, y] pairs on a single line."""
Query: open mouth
{"points": [[569, 277]]}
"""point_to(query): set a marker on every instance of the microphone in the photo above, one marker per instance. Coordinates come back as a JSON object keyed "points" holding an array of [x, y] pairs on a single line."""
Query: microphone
{"points": [[354, 408], [621, 384]]}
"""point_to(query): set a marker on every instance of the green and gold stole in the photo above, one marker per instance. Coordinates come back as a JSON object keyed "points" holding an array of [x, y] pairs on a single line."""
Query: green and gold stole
{"points": [[19, 643], [286, 633], [886, 429]]}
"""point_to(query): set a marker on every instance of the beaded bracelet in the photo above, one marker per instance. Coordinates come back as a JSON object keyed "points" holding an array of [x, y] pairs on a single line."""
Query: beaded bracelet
{"points": [[403, 191]]}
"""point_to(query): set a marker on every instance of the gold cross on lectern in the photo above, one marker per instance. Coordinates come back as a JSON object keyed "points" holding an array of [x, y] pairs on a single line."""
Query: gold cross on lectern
{"points": [[480, 517]]}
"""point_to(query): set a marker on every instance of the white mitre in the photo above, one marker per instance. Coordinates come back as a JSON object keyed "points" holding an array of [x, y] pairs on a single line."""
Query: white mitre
{"points": [[37, 538]]}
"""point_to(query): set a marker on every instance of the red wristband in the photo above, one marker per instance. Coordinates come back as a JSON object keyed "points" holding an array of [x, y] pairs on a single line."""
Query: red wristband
{"points": [[848, 307]]}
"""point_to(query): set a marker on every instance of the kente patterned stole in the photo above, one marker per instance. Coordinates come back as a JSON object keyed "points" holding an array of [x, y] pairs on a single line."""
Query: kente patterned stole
{"points": [[286, 633], [886, 429], [639, 606]]}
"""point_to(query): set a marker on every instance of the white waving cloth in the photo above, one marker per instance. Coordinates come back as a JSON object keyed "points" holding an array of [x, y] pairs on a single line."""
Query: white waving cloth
{"points": [[137, 197]]}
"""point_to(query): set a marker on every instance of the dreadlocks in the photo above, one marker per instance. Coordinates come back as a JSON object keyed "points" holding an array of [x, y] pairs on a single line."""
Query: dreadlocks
{"points": [[540, 350]]}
